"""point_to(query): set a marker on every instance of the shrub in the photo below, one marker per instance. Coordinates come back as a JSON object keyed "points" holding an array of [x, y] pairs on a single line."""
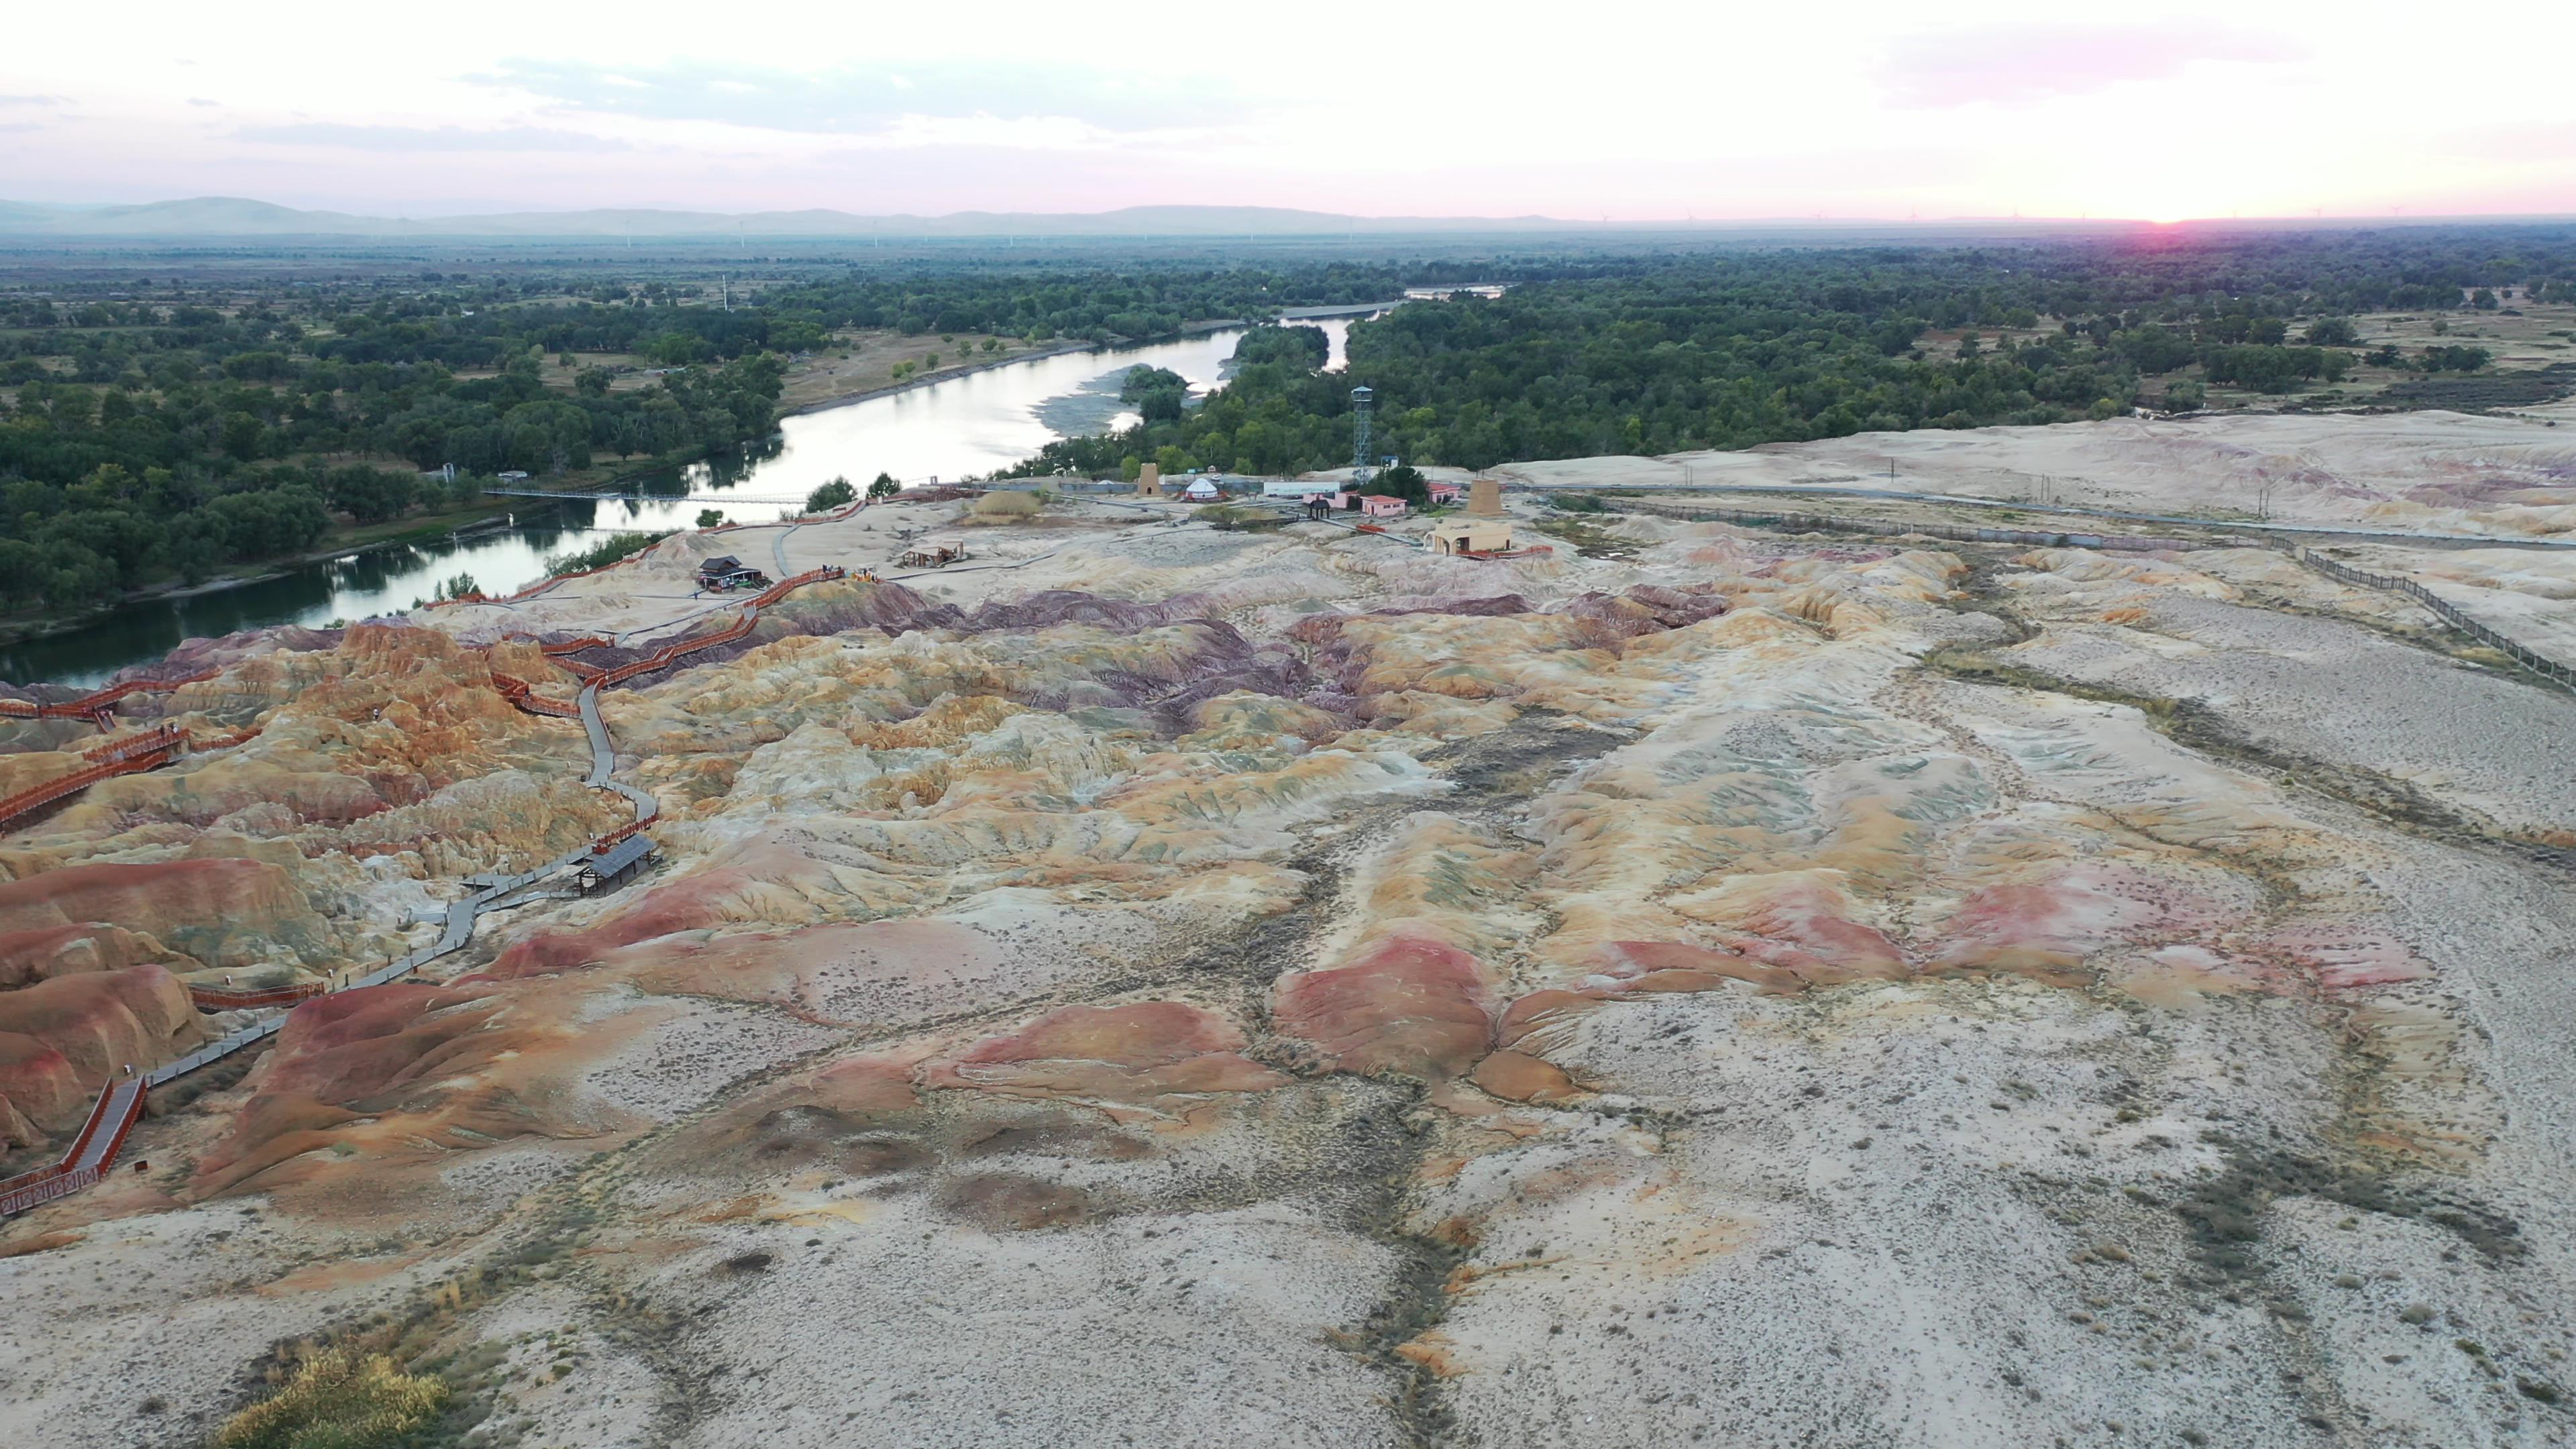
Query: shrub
{"points": [[603, 553], [835, 494], [338, 1400], [1005, 508]]}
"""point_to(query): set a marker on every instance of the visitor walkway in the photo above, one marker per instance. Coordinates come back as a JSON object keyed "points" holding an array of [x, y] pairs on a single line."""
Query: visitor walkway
{"points": [[120, 1105]]}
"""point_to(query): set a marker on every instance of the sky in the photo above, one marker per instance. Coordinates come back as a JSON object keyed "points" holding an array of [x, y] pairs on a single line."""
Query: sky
{"points": [[1607, 109]]}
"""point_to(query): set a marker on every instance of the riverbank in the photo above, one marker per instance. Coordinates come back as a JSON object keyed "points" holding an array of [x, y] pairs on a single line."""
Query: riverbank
{"points": [[345, 541], [951, 374], [989, 422], [945, 374]]}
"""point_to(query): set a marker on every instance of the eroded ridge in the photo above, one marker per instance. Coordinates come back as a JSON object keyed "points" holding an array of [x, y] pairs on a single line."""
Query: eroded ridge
{"points": [[1722, 988]]}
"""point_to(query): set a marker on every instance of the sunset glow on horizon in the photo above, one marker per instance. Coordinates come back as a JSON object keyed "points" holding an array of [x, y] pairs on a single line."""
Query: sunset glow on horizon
{"points": [[1644, 112]]}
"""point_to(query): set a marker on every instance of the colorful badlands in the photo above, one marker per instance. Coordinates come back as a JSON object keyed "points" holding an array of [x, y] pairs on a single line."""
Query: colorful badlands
{"points": [[1277, 988]]}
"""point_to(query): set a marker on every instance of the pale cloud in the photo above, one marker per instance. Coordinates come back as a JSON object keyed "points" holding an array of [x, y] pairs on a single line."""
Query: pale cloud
{"points": [[2515, 141], [1637, 108], [427, 138], [858, 99], [1027, 133], [2021, 63]]}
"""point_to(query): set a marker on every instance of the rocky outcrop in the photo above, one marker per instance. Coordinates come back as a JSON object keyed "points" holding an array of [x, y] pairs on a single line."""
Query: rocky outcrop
{"points": [[1402, 999], [1150, 1060], [222, 912], [80, 1030], [44, 952], [1413, 1007]]}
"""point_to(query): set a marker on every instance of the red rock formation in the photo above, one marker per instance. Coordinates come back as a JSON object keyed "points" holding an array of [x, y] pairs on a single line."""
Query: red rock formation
{"points": [[1680, 966], [50, 951], [1148, 1058], [358, 1054], [1404, 1005], [223, 910], [103, 1021], [1520, 1077], [2045, 929], [39, 1092], [723, 894]]}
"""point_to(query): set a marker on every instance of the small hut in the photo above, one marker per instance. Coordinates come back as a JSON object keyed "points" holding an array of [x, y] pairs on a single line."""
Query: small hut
{"points": [[1472, 535]]}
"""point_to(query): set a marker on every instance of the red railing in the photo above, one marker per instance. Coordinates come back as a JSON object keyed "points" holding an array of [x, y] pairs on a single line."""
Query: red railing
{"points": [[518, 692], [742, 626], [151, 741], [226, 998], [144, 752], [67, 1174], [567, 646], [89, 706], [86, 1162]]}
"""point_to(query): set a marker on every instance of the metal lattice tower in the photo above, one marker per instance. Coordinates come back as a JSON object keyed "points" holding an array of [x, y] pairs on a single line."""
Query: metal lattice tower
{"points": [[1363, 400]]}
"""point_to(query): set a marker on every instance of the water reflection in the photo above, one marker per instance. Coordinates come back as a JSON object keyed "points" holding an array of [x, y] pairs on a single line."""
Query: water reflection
{"points": [[974, 424]]}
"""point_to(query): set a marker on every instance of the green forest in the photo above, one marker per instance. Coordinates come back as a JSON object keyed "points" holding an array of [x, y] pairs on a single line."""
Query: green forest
{"points": [[165, 437], [206, 465], [156, 431], [1732, 351]]}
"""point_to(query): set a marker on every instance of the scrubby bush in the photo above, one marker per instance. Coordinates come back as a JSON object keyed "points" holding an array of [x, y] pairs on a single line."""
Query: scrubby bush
{"points": [[1005, 508], [605, 552], [339, 1400]]}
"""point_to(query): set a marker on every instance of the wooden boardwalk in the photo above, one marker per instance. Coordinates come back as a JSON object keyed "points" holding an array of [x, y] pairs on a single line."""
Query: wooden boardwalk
{"points": [[120, 1105]]}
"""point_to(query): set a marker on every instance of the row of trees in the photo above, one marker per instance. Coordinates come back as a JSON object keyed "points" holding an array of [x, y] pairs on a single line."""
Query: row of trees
{"points": [[841, 493], [251, 454], [1735, 350]]}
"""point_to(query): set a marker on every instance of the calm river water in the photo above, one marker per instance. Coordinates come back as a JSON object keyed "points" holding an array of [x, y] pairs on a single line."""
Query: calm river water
{"points": [[972, 424]]}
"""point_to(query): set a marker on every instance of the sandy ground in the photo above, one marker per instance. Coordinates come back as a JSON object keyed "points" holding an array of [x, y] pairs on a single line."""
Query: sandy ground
{"points": [[2427, 471], [853, 363], [1278, 987]]}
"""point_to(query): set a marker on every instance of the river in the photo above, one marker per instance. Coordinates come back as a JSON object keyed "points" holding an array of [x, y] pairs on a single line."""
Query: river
{"points": [[963, 425]]}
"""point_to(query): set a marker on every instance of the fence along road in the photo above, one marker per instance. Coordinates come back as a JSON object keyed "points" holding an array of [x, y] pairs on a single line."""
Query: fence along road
{"points": [[2538, 663], [120, 1105]]}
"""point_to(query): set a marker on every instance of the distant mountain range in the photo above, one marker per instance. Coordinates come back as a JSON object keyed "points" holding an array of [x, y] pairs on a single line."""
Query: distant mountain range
{"points": [[228, 216], [213, 217]]}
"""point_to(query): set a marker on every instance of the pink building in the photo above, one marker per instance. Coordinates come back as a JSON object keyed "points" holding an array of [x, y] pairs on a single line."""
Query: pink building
{"points": [[1379, 505], [1447, 492]]}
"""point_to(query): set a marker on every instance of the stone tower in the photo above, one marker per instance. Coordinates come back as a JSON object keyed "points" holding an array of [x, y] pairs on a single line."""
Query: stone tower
{"points": [[1485, 497]]}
